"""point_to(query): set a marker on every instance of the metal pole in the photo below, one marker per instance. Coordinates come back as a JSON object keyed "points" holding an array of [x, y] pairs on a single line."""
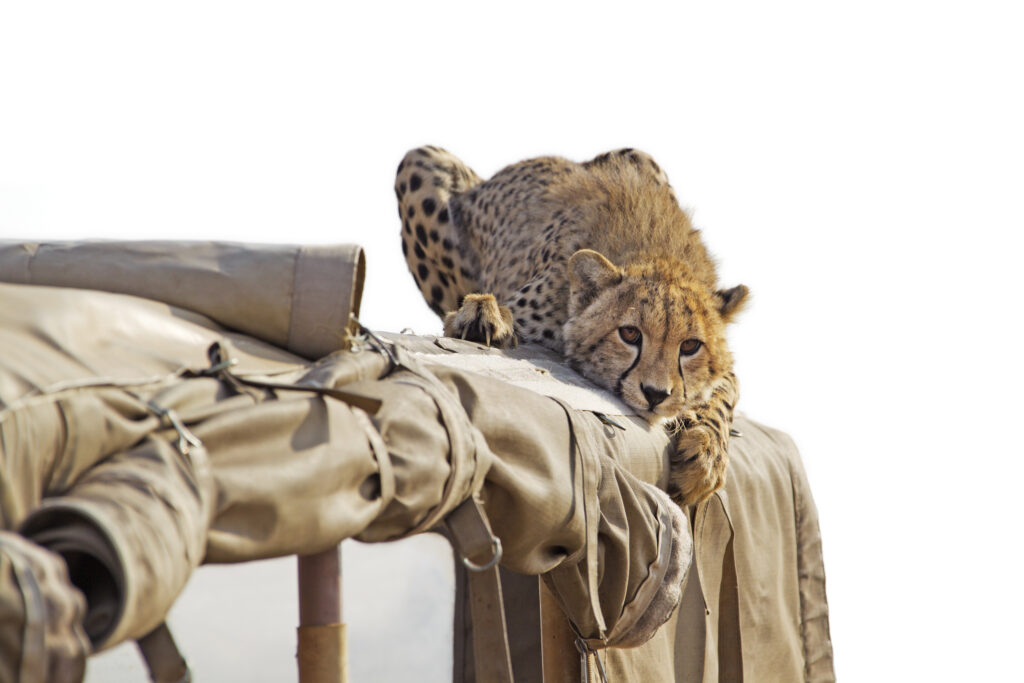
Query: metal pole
{"points": [[321, 650]]}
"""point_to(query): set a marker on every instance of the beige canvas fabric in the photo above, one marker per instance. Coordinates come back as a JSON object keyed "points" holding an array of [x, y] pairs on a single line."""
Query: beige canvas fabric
{"points": [[41, 634], [295, 297], [129, 450], [756, 608], [135, 453], [759, 568]]}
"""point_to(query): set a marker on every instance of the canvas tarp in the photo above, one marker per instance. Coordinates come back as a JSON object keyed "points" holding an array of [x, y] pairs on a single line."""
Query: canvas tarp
{"points": [[130, 447], [755, 607], [294, 297], [120, 415]]}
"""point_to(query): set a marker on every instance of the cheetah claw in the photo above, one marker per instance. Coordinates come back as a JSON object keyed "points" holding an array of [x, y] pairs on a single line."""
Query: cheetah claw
{"points": [[481, 319], [698, 464]]}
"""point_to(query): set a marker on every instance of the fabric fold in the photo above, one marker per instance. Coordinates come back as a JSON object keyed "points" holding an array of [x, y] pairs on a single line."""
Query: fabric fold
{"points": [[129, 452], [295, 297]]}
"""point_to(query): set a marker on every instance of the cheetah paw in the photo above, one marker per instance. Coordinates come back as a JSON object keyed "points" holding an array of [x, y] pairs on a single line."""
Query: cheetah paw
{"points": [[481, 319], [698, 465]]}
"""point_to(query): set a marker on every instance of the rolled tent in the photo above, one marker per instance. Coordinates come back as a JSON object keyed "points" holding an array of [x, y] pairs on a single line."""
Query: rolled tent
{"points": [[236, 413]]}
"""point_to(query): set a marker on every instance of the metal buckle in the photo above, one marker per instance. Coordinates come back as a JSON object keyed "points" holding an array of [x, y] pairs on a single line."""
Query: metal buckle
{"points": [[495, 558]]}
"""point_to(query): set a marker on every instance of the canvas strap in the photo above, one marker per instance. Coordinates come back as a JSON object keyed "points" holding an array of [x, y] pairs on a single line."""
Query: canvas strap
{"points": [[162, 657], [481, 551]]}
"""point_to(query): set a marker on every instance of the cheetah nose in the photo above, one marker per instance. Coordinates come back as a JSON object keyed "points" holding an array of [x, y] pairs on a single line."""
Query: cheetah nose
{"points": [[654, 396]]}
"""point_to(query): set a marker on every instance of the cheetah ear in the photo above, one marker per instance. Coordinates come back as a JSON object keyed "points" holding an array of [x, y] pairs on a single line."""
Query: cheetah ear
{"points": [[589, 273], [731, 301]]}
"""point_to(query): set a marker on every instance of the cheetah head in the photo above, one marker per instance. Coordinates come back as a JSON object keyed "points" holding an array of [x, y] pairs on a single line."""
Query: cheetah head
{"points": [[647, 332]]}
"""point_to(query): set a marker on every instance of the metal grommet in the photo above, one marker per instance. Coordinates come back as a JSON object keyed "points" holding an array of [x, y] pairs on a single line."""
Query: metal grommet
{"points": [[473, 567]]}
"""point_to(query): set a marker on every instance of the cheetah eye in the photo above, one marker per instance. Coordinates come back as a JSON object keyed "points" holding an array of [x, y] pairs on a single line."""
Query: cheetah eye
{"points": [[630, 334], [690, 347]]}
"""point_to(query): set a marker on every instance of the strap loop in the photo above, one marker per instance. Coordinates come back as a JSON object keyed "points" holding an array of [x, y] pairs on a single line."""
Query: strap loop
{"points": [[470, 533], [495, 558]]}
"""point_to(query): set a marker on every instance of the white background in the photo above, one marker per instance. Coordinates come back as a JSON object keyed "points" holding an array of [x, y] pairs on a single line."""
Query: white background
{"points": [[858, 165]]}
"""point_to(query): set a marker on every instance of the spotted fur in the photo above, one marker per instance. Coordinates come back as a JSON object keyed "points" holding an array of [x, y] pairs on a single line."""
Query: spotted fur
{"points": [[579, 257]]}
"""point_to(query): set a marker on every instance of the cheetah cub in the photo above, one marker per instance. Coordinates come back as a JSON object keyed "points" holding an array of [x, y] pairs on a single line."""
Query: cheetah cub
{"points": [[596, 261]]}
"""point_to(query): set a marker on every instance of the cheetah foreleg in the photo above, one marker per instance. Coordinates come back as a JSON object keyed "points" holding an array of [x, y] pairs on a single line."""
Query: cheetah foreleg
{"points": [[701, 450]]}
